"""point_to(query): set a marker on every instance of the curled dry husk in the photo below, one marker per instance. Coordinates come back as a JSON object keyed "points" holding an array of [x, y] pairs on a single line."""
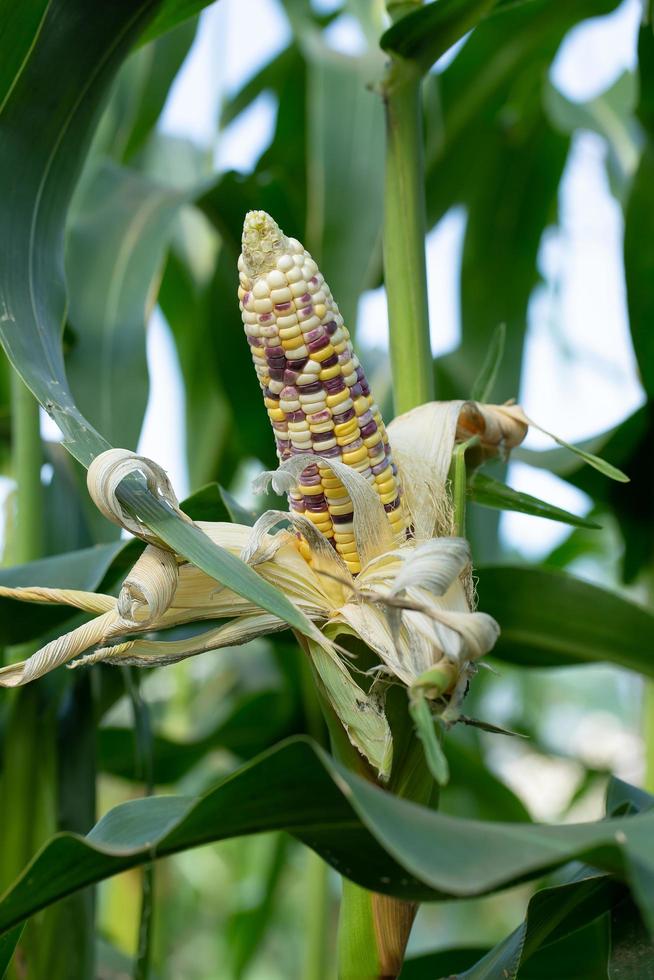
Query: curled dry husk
{"points": [[411, 604]]}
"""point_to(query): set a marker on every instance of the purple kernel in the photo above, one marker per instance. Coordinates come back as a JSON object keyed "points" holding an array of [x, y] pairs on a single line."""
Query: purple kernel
{"points": [[290, 377], [265, 317], [364, 388], [334, 385], [274, 351], [312, 335], [310, 388], [288, 393], [379, 467], [360, 375], [280, 427], [331, 327], [319, 344], [305, 298], [316, 501], [345, 356], [300, 363], [298, 416], [277, 362], [276, 374], [344, 416], [369, 429], [333, 453], [306, 311], [323, 436], [246, 299], [330, 361], [355, 444], [394, 504], [298, 505], [270, 394], [356, 390], [253, 341], [323, 416], [365, 418], [314, 280], [282, 307], [311, 470], [341, 518]]}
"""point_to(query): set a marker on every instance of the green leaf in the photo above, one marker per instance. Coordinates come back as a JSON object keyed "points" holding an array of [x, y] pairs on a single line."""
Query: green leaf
{"points": [[444, 963], [425, 728], [606, 469], [638, 245], [8, 943], [425, 34], [548, 619], [485, 382], [488, 492], [554, 914], [383, 842], [115, 245], [46, 124], [344, 150]]}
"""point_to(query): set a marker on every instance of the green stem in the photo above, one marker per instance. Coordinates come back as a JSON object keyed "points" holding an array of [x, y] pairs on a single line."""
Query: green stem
{"points": [[27, 459], [317, 897], [405, 270], [317, 918], [648, 734]]}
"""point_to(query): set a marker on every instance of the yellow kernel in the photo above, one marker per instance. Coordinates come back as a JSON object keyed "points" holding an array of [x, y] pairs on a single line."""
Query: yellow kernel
{"points": [[361, 404], [346, 547], [289, 333], [384, 475], [293, 343], [331, 483], [354, 567], [256, 351], [276, 415], [331, 372], [340, 346], [271, 402], [347, 368], [356, 456], [340, 509], [309, 491], [386, 487], [338, 398], [342, 537], [322, 426], [344, 428], [322, 355], [372, 440], [388, 498], [335, 492]]}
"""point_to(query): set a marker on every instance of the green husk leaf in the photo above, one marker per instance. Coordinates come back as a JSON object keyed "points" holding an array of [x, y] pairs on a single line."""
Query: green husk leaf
{"points": [[425, 728], [488, 492], [485, 380]]}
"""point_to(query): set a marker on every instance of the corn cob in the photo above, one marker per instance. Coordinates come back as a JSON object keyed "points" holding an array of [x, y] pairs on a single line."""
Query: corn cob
{"points": [[314, 387]]}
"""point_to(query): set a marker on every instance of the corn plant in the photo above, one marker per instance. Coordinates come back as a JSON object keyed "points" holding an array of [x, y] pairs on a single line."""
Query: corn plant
{"points": [[330, 722]]}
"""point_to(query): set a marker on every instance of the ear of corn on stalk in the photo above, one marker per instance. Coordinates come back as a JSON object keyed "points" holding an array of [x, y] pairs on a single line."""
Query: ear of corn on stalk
{"points": [[314, 387]]}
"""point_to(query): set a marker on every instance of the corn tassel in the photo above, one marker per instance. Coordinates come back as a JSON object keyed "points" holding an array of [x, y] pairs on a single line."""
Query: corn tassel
{"points": [[314, 387]]}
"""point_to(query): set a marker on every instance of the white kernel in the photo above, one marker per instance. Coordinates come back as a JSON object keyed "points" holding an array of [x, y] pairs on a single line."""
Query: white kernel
{"points": [[290, 405], [318, 294], [301, 439], [249, 317], [312, 367], [263, 305], [268, 331], [241, 264], [294, 245], [260, 290], [310, 264], [312, 397], [293, 275], [251, 329], [276, 279], [305, 379], [310, 323], [296, 427], [299, 288], [329, 444], [298, 261], [295, 355], [276, 386], [350, 379], [281, 295], [285, 262], [283, 322]]}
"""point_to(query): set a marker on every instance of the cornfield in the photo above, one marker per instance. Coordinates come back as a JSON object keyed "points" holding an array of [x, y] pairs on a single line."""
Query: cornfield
{"points": [[326, 630]]}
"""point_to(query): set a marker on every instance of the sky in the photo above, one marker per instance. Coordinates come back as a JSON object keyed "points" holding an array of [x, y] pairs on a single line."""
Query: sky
{"points": [[579, 380]]}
